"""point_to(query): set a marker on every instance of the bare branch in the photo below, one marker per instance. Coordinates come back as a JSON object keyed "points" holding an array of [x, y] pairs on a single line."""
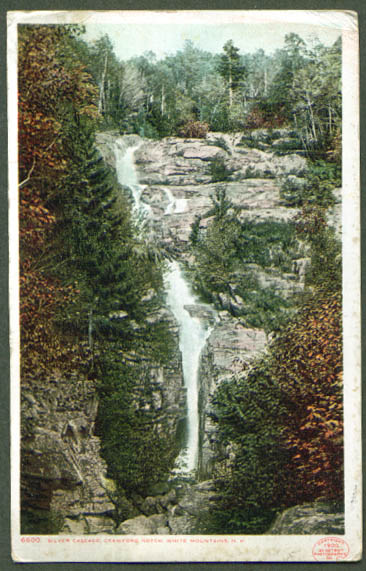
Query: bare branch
{"points": [[27, 179]]}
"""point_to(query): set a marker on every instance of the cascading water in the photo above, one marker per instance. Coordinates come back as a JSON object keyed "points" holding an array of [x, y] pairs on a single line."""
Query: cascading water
{"points": [[126, 174], [175, 205], [192, 338], [192, 331]]}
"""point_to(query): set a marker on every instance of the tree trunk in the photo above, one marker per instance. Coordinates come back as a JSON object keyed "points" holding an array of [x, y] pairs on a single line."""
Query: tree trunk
{"points": [[90, 329], [162, 107], [230, 88], [311, 117], [330, 119], [101, 102]]}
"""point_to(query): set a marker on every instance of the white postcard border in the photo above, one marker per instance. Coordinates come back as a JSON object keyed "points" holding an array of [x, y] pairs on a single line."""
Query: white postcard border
{"points": [[108, 548]]}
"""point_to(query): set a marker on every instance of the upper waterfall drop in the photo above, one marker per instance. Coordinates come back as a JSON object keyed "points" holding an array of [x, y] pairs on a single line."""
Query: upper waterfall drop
{"points": [[127, 175]]}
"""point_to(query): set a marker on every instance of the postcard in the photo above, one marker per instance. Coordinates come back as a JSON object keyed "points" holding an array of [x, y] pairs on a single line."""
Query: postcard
{"points": [[185, 286]]}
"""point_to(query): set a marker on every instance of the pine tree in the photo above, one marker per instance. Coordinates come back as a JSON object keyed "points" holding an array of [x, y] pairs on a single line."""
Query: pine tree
{"points": [[231, 68]]}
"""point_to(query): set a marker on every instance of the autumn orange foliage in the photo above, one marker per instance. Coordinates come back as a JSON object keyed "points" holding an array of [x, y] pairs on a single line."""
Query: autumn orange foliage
{"points": [[50, 87], [308, 366]]}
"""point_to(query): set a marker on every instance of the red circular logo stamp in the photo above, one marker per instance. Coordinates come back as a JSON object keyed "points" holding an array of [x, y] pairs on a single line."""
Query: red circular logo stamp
{"points": [[330, 549]]}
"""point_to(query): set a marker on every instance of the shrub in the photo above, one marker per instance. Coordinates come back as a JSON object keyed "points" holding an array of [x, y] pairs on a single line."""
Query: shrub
{"points": [[292, 191], [325, 249], [251, 172], [137, 450], [321, 179], [307, 365], [194, 130], [248, 485], [219, 170], [223, 252], [265, 115]]}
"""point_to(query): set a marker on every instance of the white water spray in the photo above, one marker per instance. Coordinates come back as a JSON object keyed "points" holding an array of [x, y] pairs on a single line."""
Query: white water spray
{"points": [[192, 338], [127, 175], [175, 205]]}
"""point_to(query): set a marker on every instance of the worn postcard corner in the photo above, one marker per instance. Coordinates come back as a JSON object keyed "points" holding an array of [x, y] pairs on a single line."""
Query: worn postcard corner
{"points": [[185, 286]]}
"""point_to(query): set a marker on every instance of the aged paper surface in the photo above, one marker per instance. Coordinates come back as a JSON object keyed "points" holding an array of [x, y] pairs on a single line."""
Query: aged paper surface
{"points": [[205, 89]]}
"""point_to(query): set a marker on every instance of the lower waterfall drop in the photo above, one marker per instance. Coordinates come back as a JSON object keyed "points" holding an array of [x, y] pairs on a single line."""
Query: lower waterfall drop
{"points": [[192, 338]]}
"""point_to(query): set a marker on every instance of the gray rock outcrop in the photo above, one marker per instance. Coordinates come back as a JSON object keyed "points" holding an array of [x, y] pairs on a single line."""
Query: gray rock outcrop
{"points": [[182, 511], [318, 518], [228, 348], [179, 168], [63, 475], [62, 471]]}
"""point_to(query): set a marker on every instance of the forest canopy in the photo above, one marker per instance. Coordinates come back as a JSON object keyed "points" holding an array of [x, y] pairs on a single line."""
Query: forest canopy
{"points": [[298, 86]]}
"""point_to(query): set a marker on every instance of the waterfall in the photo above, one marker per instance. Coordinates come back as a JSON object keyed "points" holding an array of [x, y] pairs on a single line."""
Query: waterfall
{"points": [[126, 174], [175, 205], [193, 333], [192, 338]]}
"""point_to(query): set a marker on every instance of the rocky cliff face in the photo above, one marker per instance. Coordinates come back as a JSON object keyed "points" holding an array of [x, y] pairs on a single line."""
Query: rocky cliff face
{"points": [[177, 181], [229, 347], [177, 186], [180, 169], [64, 484], [63, 472], [63, 475]]}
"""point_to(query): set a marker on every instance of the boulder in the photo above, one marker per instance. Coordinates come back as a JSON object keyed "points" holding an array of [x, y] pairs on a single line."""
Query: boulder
{"points": [[319, 518], [142, 525], [151, 505], [193, 507], [202, 152], [203, 312]]}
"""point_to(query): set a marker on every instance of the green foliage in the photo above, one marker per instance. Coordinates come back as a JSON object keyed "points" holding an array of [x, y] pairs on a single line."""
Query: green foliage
{"points": [[325, 272], [264, 308], [248, 484], [296, 454], [219, 142], [298, 86], [195, 230], [225, 254], [252, 172], [137, 450], [40, 522], [118, 283], [321, 179], [218, 170], [231, 69]]}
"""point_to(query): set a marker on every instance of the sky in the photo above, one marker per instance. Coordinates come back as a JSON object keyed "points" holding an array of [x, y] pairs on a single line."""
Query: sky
{"points": [[165, 36]]}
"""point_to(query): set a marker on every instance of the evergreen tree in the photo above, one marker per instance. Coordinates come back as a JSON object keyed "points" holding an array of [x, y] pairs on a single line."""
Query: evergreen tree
{"points": [[231, 68]]}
